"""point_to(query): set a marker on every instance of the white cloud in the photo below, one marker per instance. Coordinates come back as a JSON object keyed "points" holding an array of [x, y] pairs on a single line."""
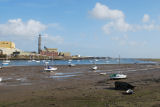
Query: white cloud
{"points": [[145, 18], [118, 25], [16, 27], [116, 20], [116, 17], [101, 11]]}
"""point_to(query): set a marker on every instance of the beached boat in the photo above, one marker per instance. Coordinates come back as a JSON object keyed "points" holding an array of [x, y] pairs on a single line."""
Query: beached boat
{"points": [[129, 91], [50, 69], [0, 79], [94, 68], [118, 76], [71, 65], [103, 73]]}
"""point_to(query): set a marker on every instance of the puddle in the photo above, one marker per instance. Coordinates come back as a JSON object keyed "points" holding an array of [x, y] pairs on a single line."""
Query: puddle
{"points": [[70, 73], [19, 84], [62, 76], [109, 70], [97, 71], [15, 81], [21, 79], [132, 70], [143, 69]]}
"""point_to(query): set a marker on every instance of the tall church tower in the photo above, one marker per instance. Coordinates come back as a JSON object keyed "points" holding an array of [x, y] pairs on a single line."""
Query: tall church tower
{"points": [[39, 44]]}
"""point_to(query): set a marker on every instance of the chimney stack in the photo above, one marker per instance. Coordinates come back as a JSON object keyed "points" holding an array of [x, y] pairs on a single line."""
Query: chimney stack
{"points": [[39, 44]]}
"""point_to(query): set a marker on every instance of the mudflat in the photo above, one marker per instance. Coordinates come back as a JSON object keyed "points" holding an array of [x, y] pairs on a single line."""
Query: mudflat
{"points": [[79, 86]]}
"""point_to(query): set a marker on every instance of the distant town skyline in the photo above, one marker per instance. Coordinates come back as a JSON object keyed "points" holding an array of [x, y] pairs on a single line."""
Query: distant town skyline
{"points": [[129, 28]]}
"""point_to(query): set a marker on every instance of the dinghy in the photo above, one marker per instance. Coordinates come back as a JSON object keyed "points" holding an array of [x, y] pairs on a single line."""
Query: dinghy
{"points": [[118, 76], [94, 68], [50, 69]]}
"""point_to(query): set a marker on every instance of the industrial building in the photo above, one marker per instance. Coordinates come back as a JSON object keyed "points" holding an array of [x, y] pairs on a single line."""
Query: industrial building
{"points": [[7, 48], [7, 44], [49, 52], [65, 54]]}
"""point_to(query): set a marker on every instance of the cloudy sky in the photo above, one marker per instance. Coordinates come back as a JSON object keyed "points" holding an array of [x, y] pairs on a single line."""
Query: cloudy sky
{"points": [[130, 28]]}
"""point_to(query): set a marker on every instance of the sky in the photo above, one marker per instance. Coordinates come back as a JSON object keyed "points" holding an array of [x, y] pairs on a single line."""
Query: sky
{"points": [[129, 28]]}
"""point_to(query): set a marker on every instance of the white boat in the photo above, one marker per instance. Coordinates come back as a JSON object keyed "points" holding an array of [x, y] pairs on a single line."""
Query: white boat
{"points": [[71, 65], [96, 60], [0, 79], [94, 68], [129, 91], [46, 62], [38, 61], [5, 63], [118, 76], [103, 73], [29, 60], [70, 60], [50, 69]]}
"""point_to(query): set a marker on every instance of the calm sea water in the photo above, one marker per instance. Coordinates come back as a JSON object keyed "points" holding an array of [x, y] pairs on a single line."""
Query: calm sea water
{"points": [[67, 62]]}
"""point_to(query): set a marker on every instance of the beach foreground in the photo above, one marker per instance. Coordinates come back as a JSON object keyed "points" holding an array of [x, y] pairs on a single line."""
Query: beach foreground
{"points": [[79, 86]]}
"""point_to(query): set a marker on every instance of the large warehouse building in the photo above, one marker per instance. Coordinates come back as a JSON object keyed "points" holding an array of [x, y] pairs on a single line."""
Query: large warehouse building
{"points": [[6, 44], [7, 47]]}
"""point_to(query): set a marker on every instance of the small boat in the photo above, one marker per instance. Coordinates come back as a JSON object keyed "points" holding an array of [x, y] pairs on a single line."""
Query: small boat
{"points": [[50, 69], [118, 76], [0, 79], [96, 60], [29, 60], [69, 60], [38, 61], [94, 68], [72, 65], [129, 91], [46, 62], [5, 63], [103, 73]]}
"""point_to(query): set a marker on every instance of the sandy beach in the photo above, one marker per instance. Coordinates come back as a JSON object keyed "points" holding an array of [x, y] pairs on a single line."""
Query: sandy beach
{"points": [[79, 86]]}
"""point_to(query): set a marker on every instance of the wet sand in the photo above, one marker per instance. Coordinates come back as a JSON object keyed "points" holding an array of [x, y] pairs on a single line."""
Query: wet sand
{"points": [[79, 86]]}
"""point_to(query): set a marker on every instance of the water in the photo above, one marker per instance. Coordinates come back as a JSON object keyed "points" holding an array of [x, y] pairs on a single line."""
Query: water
{"points": [[76, 62]]}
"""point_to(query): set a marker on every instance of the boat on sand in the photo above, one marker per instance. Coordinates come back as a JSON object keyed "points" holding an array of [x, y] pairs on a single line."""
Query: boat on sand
{"points": [[50, 69], [118, 76], [94, 68]]}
